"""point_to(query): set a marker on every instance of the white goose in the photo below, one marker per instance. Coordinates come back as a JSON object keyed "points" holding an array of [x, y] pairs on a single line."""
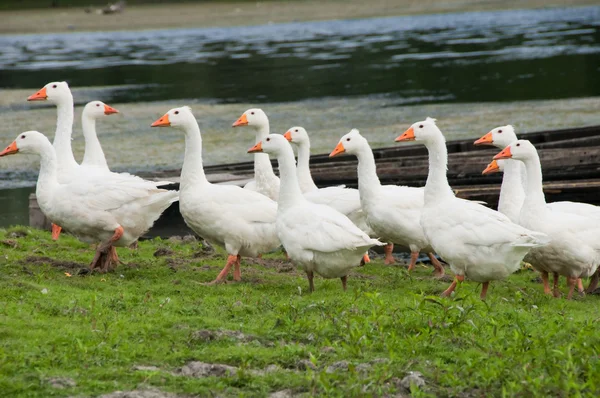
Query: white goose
{"points": [[95, 209], [345, 200], [94, 155], [574, 250], [477, 242], [265, 181], [241, 220], [514, 181], [393, 212], [316, 237], [69, 170]]}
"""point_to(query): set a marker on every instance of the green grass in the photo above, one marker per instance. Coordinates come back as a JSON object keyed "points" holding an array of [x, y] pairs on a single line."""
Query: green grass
{"points": [[95, 328]]}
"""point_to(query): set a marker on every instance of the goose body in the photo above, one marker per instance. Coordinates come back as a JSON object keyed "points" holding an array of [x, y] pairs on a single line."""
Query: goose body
{"points": [[574, 249], [95, 209], [240, 220], [316, 237], [479, 243], [392, 212]]}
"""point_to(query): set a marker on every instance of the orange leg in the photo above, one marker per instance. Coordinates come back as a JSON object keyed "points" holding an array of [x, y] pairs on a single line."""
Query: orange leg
{"points": [[572, 282], [413, 260], [104, 254], [388, 250], [457, 278], [56, 231], [580, 288], [484, 289], [311, 284], [555, 290], [439, 268], [365, 260], [237, 272], [231, 260], [545, 281], [344, 280]]}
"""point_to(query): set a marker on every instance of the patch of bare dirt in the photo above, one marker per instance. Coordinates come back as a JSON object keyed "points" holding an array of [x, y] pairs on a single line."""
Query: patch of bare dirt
{"points": [[205, 335], [9, 243], [43, 260], [146, 393], [163, 251], [203, 369]]}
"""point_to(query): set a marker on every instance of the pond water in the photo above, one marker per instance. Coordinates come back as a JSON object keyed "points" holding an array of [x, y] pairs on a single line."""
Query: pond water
{"points": [[463, 57], [333, 74]]}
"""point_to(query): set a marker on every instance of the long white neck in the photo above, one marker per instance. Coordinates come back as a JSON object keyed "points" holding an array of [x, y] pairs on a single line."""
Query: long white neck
{"points": [[289, 190], [192, 172], [62, 138], [368, 181], [303, 168], [512, 194], [437, 187], [47, 180], [262, 164], [534, 192], [94, 155]]}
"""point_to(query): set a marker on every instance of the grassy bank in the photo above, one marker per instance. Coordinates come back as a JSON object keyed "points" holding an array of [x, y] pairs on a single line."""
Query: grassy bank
{"points": [[239, 13], [143, 327]]}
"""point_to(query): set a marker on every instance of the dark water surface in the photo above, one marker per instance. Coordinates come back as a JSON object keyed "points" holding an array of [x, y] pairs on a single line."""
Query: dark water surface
{"points": [[463, 57]]}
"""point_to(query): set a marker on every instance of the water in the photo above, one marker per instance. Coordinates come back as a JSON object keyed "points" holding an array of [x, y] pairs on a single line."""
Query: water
{"points": [[464, 57], [329, 75]]}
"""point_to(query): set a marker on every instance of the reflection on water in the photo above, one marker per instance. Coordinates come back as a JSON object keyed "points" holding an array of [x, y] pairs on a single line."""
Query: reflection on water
{"points": [[487, 56], [14, 206]]}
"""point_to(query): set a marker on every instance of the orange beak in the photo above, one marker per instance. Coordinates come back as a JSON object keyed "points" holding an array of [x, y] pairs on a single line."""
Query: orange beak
{"points": [[409, 135], [491, 168], [288, 136], [339, 148], [109, 110], [162, 122], [256, 148], [12, 148], [242, 121], [39, 96], [485, 140], [505, 154]]}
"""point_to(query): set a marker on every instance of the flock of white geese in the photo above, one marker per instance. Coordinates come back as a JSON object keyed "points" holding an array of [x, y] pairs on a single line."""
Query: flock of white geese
{"points": [[327, 231]]}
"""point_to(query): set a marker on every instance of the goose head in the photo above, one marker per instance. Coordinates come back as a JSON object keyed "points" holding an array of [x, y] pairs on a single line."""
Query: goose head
{"points": [[297, 135], [96, 109], [273, 144], [519, 150], [350, 143], [54, 92], [254, 117], [499, 137], [176, 117], [424, 131], [27, 142]]}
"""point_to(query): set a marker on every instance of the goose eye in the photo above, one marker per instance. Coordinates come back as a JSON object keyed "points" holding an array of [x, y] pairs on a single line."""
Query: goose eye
{"points": [[176, 112], [420, 126], [500, 131], [347, 139], [518, 144], [97, 104], [23, 137], [296, 130], [54, 86], [268, 139], [252, 113]]}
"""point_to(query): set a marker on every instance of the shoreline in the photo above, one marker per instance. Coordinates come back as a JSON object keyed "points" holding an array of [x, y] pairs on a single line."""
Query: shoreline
{"points": [[219, 14]]}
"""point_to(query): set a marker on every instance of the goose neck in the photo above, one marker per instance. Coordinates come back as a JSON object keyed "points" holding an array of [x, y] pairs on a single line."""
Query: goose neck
{"points": [[192, 171], [437, 187], [62, 138], [289, 190], [512, 192], [368, 181], [47, 180], [303, 168], [93, 155], [535, 191]]}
